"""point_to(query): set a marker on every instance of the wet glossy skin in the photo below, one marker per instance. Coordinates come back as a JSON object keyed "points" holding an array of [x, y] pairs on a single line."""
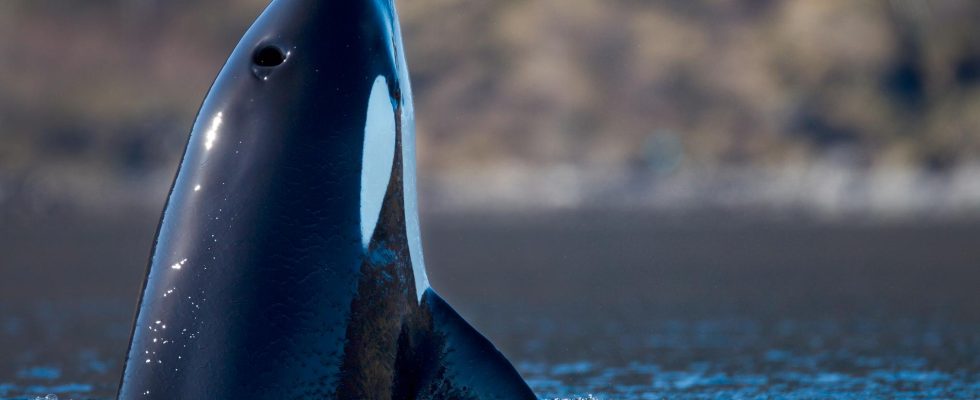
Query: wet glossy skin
{"points": [[288, 261]]}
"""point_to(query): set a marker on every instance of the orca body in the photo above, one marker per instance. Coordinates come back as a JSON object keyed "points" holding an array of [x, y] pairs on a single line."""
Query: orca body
{"points": [[287, 264]]}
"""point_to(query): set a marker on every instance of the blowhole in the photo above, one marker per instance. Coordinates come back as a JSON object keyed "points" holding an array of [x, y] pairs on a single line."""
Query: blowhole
{"points": [[269, 56]]}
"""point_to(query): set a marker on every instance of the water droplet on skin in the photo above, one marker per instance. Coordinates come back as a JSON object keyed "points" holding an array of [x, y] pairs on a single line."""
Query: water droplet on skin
{"points": [[261, 72]]}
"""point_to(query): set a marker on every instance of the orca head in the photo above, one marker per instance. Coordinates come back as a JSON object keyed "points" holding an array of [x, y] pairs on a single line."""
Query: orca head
{"points": [[315, 76], [304, 123]]}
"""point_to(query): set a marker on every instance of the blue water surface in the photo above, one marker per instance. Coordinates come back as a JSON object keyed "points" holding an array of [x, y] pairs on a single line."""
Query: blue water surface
{"points": [[713, 358]]}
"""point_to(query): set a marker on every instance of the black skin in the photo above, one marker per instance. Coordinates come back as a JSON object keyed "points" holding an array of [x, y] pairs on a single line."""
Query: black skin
{"points": [[259, 286]]}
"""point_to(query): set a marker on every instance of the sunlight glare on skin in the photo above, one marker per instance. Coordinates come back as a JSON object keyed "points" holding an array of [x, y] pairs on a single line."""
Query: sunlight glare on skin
{"points": [[212, 133], [178, 265]]}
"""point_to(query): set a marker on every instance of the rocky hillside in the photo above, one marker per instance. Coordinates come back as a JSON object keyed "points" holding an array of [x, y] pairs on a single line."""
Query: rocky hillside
{"points": [[98, 96]]}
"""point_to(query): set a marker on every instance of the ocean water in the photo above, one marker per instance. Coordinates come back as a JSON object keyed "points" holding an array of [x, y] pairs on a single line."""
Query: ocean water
{"points": [[617, 307], [76, 355]]}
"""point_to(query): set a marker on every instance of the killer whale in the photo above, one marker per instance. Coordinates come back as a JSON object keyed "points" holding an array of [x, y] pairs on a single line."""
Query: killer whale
{"points": [[288, 262]]}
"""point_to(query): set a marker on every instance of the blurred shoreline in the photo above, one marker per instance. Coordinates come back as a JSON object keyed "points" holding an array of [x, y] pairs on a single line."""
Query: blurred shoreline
{"points": [[821, 191], [824, 192]]}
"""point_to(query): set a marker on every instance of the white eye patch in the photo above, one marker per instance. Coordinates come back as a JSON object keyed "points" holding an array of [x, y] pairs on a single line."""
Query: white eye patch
{"points": [[379, 156]]}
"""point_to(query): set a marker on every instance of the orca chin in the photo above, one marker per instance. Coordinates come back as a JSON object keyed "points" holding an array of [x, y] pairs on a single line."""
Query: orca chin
{"points": [[288, 261]]}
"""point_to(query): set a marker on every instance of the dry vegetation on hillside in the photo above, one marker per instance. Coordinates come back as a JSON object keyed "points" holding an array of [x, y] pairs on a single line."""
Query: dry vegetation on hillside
{"points": [[104, 91]]}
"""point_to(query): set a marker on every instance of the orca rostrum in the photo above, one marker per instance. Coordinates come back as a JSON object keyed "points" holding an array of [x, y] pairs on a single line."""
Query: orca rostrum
{"points": [[288, 263]]}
